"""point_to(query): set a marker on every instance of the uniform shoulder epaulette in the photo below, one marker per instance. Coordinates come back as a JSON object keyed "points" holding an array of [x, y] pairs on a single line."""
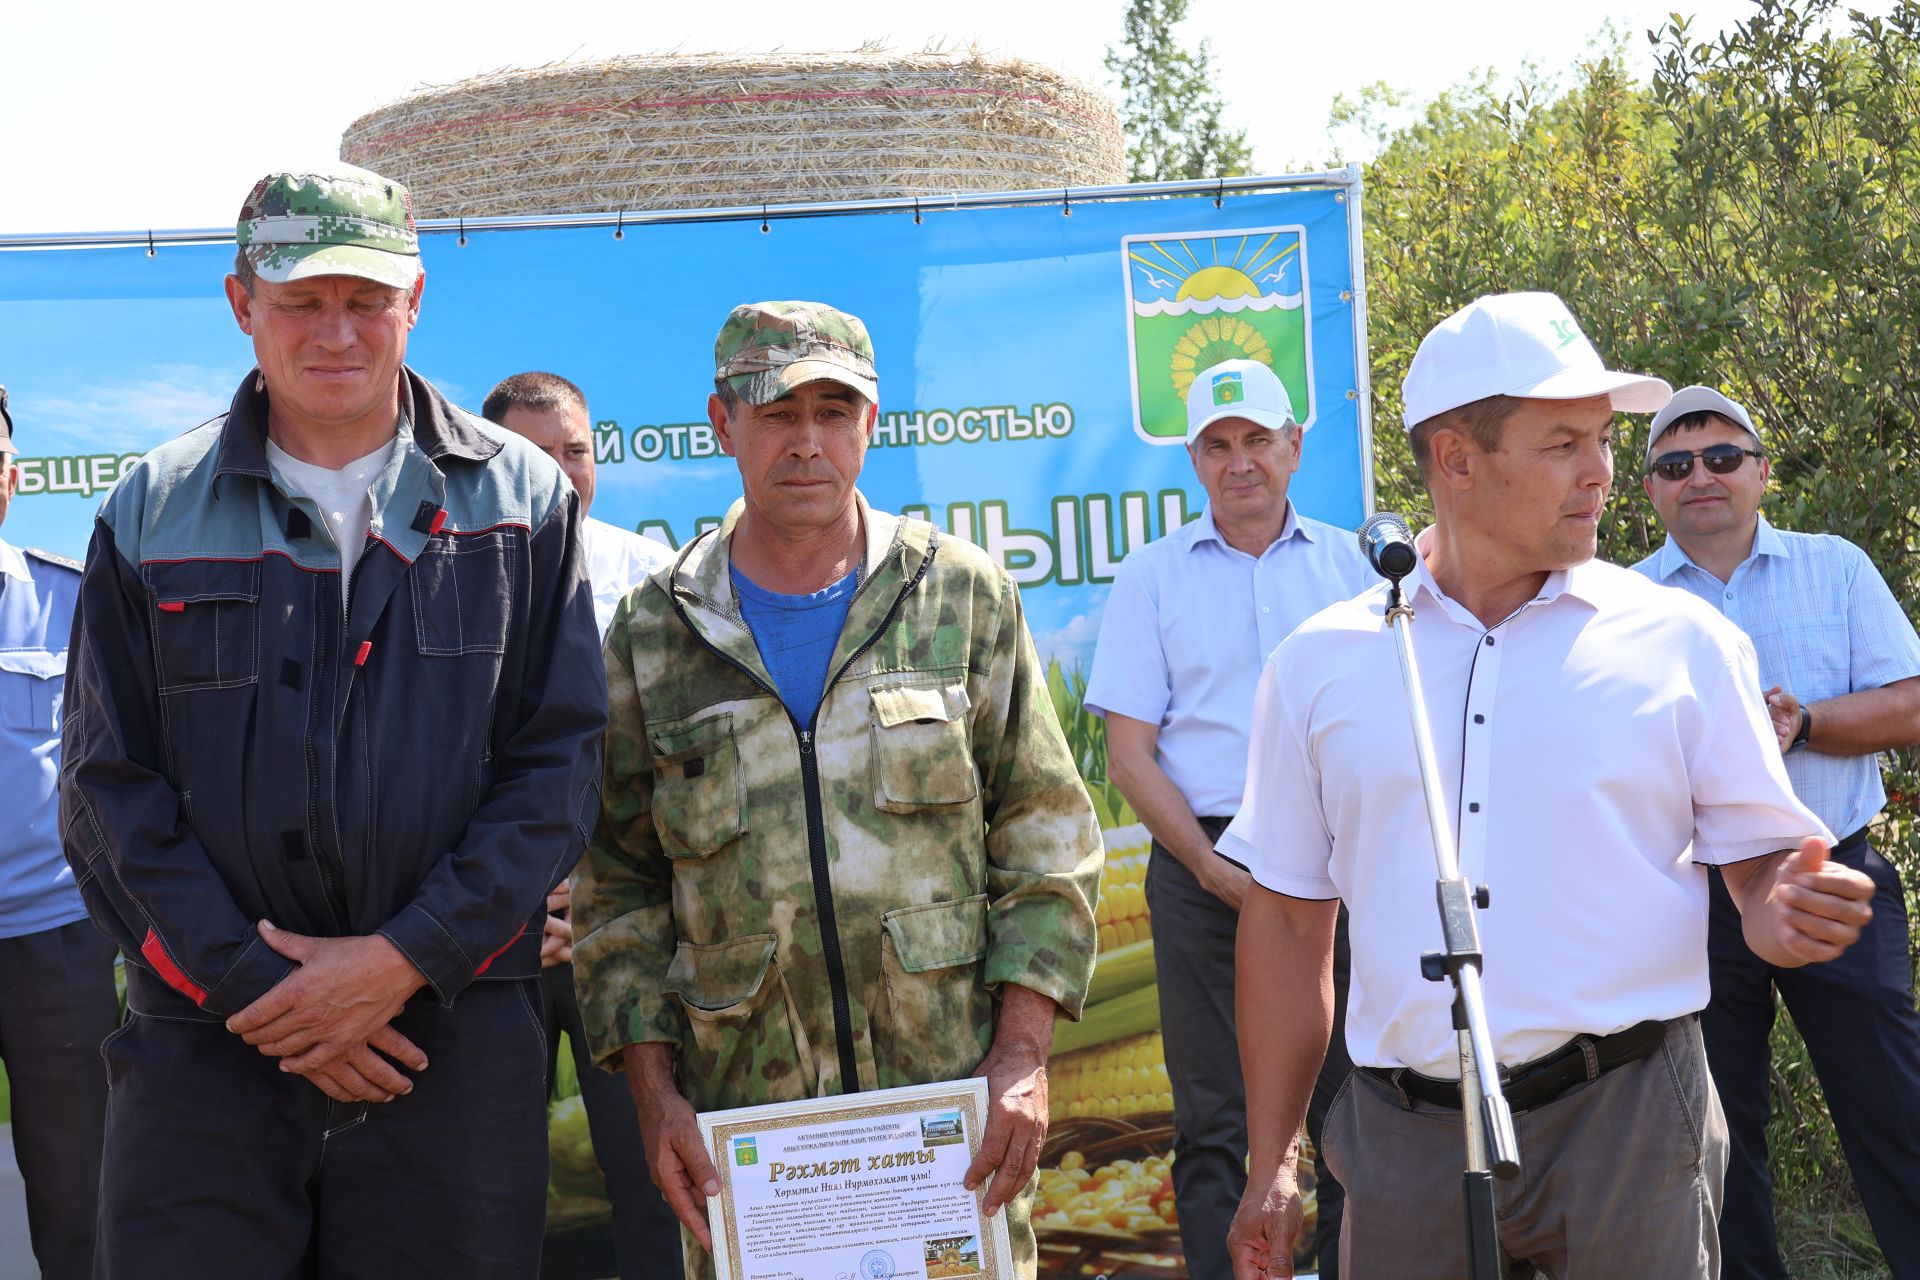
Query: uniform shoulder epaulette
{"points": [[65, 562]]}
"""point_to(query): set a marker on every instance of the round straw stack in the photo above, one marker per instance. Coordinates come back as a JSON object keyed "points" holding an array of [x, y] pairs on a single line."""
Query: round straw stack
{"points": [[683, 131]]}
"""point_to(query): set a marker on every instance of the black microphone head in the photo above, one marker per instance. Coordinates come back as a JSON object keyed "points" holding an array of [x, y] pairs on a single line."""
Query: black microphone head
{"points": [[1388, 545]]}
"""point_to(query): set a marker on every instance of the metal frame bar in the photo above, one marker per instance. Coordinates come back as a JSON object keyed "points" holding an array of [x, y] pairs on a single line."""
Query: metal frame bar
{"points": [[1363, 358], [1348, 178]]}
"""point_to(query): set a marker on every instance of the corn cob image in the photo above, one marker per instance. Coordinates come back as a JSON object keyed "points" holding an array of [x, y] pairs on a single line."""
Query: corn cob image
{"points": [[1121, 913], [1123, 1078]]}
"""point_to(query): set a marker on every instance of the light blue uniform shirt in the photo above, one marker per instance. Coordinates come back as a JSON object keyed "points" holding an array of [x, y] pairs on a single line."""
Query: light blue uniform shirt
{"points": [[36, 616], [1186, 628], [1823, 624]]}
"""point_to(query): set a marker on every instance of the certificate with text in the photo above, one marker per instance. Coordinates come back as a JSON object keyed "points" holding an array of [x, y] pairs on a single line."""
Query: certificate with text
{"points": [[862, 1186]]}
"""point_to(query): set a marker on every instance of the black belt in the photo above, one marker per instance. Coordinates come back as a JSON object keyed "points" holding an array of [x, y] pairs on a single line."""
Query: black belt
{"points": [[1534, 1084]]}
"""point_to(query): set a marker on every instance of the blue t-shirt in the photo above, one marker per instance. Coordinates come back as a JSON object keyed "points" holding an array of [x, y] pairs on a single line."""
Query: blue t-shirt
{"points": [[796, 636]]}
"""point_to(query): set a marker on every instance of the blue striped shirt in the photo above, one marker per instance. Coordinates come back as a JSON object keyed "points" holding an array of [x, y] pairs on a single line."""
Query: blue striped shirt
{"points": [[1823, 624]]}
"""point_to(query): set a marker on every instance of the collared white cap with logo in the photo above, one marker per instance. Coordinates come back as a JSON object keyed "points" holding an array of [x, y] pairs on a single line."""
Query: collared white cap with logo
{"points": [[1526, 345], [1237, 389]]}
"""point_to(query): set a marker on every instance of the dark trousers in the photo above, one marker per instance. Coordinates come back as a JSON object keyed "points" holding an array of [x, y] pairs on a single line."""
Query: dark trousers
{"points": [[220, 1164], [1193, 937], [646, 1235], [57, 1004], [1857, 1016]]}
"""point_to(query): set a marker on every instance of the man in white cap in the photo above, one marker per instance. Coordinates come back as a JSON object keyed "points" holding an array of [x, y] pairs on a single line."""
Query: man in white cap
{"points": [[1599, 738], [1188, 621], [1842, 666]]}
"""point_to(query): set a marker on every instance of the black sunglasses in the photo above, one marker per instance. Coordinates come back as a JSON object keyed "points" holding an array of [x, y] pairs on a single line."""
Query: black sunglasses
{"points": [[1721, 460]]}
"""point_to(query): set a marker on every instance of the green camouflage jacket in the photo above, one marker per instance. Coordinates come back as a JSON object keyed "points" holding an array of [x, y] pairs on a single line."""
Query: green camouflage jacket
{"points": [[810, 910]]}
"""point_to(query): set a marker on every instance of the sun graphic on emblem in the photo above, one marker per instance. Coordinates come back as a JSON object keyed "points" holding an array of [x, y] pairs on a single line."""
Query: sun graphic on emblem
{"points": [[1217, 282], [1220, 335]]}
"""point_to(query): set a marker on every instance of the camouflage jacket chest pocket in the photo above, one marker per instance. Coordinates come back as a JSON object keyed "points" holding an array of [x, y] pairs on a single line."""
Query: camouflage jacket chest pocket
{"points": [[699, 789], [922, 751], [206, 624]]}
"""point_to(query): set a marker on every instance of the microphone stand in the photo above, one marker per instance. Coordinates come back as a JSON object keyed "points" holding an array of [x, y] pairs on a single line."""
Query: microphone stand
{"points": [[1492, 1149]]}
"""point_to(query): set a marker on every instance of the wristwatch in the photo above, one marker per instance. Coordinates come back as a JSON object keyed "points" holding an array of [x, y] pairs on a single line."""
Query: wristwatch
{"points": [[1804, 732]]}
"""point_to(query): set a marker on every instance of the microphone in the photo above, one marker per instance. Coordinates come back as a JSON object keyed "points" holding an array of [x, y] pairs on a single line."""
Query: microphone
{"points": [[1388, 545]]}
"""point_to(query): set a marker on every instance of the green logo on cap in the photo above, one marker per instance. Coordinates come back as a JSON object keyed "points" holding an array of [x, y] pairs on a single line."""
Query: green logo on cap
{"points": [[1200, 299], [1565, 330]]}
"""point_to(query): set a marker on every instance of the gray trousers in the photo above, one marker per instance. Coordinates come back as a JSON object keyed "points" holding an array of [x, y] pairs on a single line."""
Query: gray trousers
{"points": [[57, 1004], [1193, 936], [1620, 1177]]}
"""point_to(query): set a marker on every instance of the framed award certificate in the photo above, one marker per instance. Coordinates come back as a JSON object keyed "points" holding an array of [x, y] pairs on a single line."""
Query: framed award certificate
{"points": [[862, 1186]]}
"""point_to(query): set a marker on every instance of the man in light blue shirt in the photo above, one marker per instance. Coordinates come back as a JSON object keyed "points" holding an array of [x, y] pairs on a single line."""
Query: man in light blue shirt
{"points": [[1843, 665], [57, 1001], [1189, 621]]}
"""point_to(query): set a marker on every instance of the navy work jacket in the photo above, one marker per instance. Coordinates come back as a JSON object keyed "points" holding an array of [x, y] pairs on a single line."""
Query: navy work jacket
{"points": [[425, 767]]}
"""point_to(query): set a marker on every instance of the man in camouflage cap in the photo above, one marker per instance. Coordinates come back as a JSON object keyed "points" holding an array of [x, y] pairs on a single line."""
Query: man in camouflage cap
{"points": [[842, 843], [332, 733]]}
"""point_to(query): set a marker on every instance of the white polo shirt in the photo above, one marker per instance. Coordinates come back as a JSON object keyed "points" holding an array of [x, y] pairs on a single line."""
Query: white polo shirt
{"points": [[1592, 748], [617, 562], [1185, 628]]}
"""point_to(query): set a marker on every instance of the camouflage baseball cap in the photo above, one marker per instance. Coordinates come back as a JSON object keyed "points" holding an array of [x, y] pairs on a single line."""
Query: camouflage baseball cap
{"points": [[337, 221], [766, 349]]}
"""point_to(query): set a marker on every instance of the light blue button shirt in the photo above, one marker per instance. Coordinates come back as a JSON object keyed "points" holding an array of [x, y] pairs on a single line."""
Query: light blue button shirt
{"points": [[36, 616], [1823, 624], [1186, 628]]}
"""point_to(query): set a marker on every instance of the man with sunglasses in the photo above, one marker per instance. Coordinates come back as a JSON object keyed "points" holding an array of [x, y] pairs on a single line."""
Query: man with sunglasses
{"points": [[1842, 666]]}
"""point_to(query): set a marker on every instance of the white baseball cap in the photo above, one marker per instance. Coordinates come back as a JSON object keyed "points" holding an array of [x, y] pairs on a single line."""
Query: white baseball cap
{"points": [[1698, 400], [1526, 345], [1237, 389]]}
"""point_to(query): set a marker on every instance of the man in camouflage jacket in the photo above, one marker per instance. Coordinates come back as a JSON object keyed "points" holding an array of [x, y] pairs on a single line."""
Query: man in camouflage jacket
{"points": [[873, 870]]}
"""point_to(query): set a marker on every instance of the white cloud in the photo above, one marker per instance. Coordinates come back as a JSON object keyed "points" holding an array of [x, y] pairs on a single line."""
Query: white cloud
{"points": [[1073, 641], [133, 415]]}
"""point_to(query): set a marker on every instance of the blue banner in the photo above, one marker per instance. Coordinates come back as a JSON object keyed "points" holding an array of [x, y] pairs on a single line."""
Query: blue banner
{"points": [[1032, 363]]}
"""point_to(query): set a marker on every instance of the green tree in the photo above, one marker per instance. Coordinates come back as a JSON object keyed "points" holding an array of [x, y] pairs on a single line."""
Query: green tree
{"points": [[1171, 111]]}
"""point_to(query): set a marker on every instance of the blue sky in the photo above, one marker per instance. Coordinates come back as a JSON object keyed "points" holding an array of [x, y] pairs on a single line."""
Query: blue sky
{"points": [[121, 115]]}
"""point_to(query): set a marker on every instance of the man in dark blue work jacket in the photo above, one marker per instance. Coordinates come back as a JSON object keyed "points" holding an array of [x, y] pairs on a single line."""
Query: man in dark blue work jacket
{"points": [[335, 704]]}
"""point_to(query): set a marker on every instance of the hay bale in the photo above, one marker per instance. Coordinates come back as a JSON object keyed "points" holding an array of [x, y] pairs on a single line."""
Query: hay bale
{"points": [[682, 131]]}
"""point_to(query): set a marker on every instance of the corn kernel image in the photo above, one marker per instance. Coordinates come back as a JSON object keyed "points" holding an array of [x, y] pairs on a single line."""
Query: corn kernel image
{"points": [[1129, 1196]]}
